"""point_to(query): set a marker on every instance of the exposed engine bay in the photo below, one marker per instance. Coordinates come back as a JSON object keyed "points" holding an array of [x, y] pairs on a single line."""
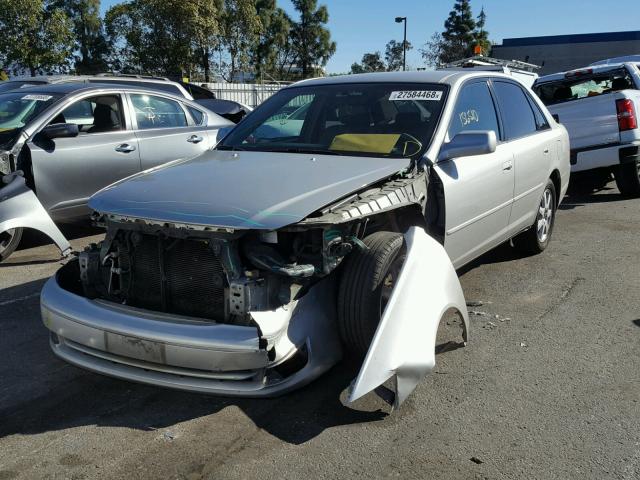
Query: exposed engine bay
{"points": [[222, 275]]}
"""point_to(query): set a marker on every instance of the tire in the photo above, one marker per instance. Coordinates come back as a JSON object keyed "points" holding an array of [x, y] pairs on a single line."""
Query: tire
{"points": [[628, 179], [536, 239], [9, 241], [366, 283]]}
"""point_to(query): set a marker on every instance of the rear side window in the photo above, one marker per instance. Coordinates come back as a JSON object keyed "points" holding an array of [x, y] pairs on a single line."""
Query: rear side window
{"points": [[474, 110], [517, 115], [157, 112], [197, 115]]}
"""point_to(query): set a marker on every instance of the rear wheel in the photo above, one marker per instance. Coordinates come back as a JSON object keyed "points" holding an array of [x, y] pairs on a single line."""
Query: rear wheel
{"points": [[9, 241], [536, 239], [628, 179], [368, 278]]}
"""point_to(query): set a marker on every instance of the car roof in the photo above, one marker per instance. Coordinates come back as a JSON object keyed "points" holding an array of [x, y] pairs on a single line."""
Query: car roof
{"points": [[594, 68], [67, 88], [448, 77]]}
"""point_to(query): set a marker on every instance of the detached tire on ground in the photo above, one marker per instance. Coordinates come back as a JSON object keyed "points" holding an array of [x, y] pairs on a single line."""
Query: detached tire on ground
{"points": [[627, 178], [9, 241], [367, 280], [536, 239]]}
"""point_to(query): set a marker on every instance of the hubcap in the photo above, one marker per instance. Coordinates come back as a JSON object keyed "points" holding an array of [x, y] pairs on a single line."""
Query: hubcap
{"points": [[545, 216]]}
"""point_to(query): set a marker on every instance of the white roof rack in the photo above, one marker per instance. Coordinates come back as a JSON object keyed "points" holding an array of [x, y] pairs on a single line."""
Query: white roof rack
{"points": [[482, 61]]}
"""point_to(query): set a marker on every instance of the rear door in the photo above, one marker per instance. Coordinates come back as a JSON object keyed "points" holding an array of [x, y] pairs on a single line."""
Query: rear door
{"points": [[67, 171], [528, 135], [478, 189], [167, 130]]}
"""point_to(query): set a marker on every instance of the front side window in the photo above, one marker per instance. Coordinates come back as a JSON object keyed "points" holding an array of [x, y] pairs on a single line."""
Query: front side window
{"points": [[157, 112], [474, 110], [376, 119], [99, 114], [517, 115]]}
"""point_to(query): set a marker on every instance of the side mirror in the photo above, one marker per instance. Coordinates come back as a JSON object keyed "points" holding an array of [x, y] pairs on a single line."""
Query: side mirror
{"points": [[60, 130], [466, 144]]}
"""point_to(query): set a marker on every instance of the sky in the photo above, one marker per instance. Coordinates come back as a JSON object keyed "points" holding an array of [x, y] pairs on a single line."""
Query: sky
{"points": [[361, 26]]}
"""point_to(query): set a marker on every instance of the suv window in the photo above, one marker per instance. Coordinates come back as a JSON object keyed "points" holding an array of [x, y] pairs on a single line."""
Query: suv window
{"points": [[157, 112], [474, 110], [516, 111], [97, 114]]}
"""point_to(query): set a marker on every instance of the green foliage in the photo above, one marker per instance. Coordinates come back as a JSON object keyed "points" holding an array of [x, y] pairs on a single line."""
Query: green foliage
{"points": [[3, 76], [273, 41], [462, 33], [394, 55], [34, 35], [90, 43], [311, 40], [241, 28], [371, 62]]}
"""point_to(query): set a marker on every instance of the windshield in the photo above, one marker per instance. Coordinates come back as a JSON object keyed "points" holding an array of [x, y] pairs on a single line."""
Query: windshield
{"points": [[19, 108], [375, 119], [583, 86]]}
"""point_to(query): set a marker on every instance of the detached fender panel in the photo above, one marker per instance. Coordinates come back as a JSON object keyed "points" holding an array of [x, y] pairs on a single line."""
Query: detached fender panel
{"points": [[405, 341], [20, 208]]}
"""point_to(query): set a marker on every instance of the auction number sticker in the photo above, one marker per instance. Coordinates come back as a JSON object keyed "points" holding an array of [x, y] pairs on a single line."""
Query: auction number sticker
{"points": [[39, 98], [435, 95]]}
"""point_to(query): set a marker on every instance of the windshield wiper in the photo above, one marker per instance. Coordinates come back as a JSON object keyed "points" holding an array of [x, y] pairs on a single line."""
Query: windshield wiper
{"points": [[312, 151]]}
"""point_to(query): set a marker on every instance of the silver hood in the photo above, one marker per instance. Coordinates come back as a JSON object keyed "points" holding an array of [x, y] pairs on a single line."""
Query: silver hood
{"points": [[242, 190]]}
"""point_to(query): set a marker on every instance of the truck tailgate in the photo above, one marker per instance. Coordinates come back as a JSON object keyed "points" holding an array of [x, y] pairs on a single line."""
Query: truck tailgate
{"points": [[590, 121]]}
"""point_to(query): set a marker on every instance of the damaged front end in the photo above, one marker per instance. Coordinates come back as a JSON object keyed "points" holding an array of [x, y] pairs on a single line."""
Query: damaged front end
{"points": [[249, 312], [20, 208]]}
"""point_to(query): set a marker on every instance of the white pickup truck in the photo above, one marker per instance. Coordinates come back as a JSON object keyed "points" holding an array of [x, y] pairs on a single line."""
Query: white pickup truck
{"points": [[598, 106]]}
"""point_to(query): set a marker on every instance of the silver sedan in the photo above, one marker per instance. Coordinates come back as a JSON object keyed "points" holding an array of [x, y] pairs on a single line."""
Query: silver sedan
{"points": [[72, 139], [253, 268]]}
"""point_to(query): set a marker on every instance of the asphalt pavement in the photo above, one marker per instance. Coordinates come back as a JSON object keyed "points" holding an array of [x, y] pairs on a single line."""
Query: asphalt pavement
{"points": [[548, 387]]}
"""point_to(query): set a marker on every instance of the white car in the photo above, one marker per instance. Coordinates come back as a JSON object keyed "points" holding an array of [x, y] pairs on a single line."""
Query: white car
{"points": [[598, 106]]}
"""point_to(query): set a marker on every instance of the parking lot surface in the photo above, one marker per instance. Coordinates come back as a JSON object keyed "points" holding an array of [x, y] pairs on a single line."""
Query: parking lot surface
{"points": [[548, 387]]}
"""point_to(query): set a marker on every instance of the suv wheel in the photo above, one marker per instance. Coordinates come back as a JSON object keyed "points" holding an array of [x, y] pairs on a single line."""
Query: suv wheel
{"points": [[367, 281]]}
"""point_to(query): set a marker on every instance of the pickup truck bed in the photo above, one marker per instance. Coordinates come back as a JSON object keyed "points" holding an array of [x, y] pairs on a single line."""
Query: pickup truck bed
{"points": [[598, 106]]}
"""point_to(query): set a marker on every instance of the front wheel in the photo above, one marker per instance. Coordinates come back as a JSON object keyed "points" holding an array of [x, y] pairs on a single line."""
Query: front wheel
{"points": [[368, 278], [536, 239], [628, 179], [9, 241]]}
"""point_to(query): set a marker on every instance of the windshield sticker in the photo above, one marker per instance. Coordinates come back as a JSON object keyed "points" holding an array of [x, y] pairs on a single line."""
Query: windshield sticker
{"points": [[435, 95], [38, 98]]}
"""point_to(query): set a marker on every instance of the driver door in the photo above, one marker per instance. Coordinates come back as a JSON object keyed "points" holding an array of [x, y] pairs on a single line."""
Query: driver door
{"points": [[67, 171], [478, 189]]}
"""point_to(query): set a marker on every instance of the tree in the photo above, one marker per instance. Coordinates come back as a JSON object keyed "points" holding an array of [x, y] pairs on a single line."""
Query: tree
{"points": [[241, 27], [91, 43], [311, 40], [394, 55], [166, 37], [206, 32], [273, 39], [481, 36], [371, 62], [459, 32], [433, 50], [35, 35]]}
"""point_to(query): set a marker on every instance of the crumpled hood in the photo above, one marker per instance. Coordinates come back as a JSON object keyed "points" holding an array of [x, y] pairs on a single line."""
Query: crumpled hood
{"points": [[242, 190]]}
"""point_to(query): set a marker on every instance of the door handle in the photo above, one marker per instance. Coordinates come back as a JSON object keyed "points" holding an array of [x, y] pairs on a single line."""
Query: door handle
{"points": [[546, 151], [125, 148], [194, 139], [506, 166]]}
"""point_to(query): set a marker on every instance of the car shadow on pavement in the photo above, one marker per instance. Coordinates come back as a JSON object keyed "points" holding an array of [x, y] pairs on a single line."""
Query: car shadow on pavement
{"points": [[40, 393], [636, 322]]}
